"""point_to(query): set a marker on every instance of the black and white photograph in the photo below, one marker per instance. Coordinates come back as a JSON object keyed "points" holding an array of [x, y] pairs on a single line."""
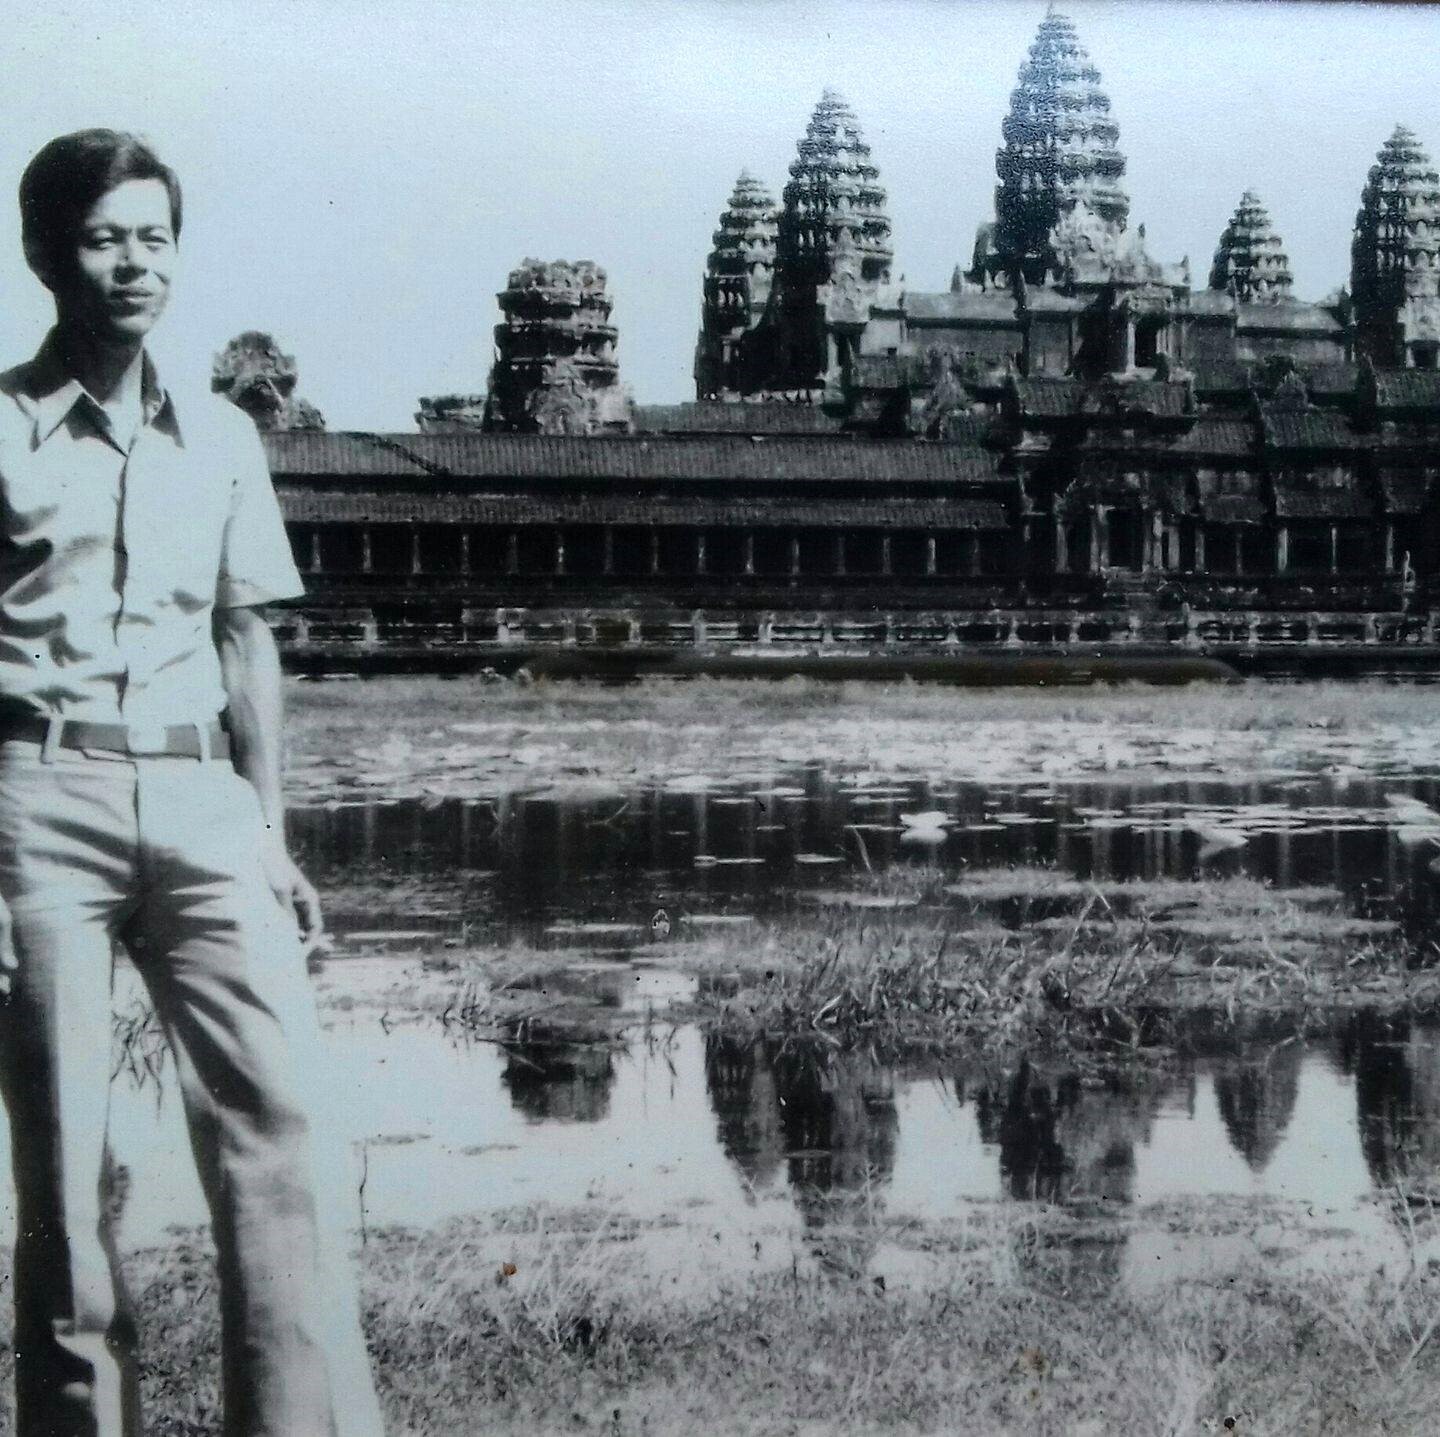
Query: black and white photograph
{"points": [[720, 715]]}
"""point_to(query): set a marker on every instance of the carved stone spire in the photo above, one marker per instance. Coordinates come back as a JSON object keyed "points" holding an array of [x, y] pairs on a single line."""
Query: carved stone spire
{"points": [[555, 369], [834, 207], [738, 277], [833, 190], [1061, 152], [1395, 257], [255, 376], [1251, 257]]}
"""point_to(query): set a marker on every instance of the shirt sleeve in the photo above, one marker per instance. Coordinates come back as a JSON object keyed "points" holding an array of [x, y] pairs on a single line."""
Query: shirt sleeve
{"points": [[256, 565]]}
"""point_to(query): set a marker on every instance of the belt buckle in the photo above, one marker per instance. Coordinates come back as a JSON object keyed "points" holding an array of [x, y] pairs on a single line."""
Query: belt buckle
{"points": [[146, 739]]}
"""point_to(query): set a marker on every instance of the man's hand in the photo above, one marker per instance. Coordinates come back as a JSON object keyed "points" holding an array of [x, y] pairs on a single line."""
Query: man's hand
{"points": [[8, 961], [295, 894]]}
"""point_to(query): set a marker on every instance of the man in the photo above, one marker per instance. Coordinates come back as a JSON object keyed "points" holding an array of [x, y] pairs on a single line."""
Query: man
{"points": [[140, 728]]}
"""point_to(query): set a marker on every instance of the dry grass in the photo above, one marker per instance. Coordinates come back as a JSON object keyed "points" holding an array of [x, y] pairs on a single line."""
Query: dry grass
{"points": [[541, 1323]]}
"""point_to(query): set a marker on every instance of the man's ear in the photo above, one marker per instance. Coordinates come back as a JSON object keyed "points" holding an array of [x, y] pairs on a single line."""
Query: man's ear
{"points": [[39, 263]]}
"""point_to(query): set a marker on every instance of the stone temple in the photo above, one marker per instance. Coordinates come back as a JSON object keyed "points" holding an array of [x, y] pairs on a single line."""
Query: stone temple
{"points": [[1077, 445]]}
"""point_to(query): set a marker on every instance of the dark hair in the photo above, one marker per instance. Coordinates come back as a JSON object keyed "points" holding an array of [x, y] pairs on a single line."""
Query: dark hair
{"points": [[62, 183]]}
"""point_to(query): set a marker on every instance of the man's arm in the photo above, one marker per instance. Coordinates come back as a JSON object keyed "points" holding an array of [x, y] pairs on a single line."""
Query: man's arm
{"points": [[250, 671]]}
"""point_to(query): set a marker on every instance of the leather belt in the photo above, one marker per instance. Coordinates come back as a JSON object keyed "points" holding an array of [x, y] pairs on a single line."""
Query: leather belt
{"points": [[136, 740]]}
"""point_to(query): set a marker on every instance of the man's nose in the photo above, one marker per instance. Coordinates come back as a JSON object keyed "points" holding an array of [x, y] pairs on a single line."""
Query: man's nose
{"points": [[133, 254]]}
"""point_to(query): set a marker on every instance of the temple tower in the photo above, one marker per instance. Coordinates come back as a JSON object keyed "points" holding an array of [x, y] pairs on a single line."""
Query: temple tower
{"points": [[833, 228], [1251, 258], [253, 374], [738, 277], [555, 368], [1395, 257], [1060, 159]]}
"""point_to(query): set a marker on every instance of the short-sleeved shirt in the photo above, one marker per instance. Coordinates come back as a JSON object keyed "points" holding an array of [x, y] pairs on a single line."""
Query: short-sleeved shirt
{"points": [[114, 555]]}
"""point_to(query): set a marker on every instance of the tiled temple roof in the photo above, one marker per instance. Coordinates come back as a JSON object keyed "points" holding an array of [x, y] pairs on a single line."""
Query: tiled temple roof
{"points": [[1290, 315], [1405, 492], [1294, 502], [1233, 508], [990, 306], [1308, 429], [1407, 389], [1212, 435], [717, 417], [557, 458], [1222, 376], [1333, 379], [500, 509], [1217, 434], [1061, 398], [361, 456]]}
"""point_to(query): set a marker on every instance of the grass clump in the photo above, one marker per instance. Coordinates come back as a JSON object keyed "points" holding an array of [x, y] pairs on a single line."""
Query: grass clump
{"points": [[1014, 958]]}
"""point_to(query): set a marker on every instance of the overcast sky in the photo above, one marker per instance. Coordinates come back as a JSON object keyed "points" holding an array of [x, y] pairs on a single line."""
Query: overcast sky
{"points": [[360, 175]]}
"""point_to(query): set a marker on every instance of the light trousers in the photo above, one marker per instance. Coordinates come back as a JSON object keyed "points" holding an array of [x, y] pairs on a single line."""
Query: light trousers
{"points": [[162, 854]]}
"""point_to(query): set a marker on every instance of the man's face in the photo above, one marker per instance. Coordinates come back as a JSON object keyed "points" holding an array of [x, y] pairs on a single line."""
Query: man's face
{"points": [[125, 258]]}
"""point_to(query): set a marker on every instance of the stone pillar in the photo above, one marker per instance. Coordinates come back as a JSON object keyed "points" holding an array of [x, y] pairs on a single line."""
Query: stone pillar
{"points": [[885, 554], [1282, 549], [700, 553], [931, 567], [1062, 554], [367, 555], [1334, 548], [465, 559], [748, 554], [1199, 565], [607, 551], [654, 551], [840, 554], [315, 562], [794, 557], [559, 553], [415, 565], [512, 552], [1099, 539]]}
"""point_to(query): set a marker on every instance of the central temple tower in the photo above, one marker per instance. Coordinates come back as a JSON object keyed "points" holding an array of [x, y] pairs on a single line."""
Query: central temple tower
{"points": [[1060, 162]]}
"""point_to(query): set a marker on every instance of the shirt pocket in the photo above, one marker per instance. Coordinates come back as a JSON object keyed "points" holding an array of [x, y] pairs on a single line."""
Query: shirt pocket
{"points": [[176, 506]]}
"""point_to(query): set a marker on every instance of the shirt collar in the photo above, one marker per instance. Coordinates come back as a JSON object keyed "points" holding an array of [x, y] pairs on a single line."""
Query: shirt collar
{"points": [[51, 391]]}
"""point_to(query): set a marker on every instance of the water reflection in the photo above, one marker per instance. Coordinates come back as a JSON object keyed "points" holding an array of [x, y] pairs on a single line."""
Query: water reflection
{"points": [[827, 1118], [746, 844], [559, 1082], [1396, 1066], [1256, 1095], [836, 1152]]}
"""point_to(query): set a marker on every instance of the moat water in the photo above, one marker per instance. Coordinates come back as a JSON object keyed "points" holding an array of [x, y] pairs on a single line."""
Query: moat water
{"points": [[774, 1154]]}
